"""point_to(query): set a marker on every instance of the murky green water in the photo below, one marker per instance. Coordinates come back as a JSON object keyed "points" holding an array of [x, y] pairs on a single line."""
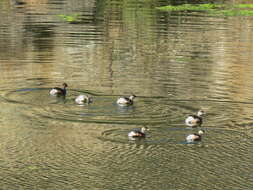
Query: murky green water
{"points": [[175, 63]]}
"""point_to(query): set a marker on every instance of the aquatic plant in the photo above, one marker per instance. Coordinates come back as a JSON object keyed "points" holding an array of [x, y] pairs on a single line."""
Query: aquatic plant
{"points": [[218, 9]]}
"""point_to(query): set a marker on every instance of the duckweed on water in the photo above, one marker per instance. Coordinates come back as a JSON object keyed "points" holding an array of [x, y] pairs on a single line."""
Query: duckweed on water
{"points": [[217, 9]]}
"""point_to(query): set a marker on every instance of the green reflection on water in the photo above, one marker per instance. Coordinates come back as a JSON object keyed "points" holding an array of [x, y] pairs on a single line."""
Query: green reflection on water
{"points": [[70, 18], [218, 9]]}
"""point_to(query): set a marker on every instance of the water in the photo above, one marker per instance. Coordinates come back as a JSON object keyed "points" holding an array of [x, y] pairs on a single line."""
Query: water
{"points": [[176, 63]]}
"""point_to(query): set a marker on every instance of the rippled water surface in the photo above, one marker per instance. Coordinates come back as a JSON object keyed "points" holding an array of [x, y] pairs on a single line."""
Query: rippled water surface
{"points": [[175, 62]]}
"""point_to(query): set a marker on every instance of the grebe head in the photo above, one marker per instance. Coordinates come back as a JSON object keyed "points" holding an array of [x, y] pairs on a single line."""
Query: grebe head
{"points": [[64, 85], [201, 132], [89, 99], [144, 129], [132, 97], [200, 113]]}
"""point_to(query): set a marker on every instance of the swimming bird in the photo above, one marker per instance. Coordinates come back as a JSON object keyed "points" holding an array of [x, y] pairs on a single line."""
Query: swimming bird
{"points": [[195, 120], [138, 132], [56, 91], [124, 101], [82, 99], [195, 136]]}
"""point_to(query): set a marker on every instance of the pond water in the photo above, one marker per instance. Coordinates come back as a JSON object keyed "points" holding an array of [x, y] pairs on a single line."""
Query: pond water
{"points": [[175, 62]]}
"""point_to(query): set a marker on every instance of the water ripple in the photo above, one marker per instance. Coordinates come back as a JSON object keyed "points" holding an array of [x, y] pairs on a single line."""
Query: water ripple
{"points": [[213, 137], [153, 111], [103, 109]]}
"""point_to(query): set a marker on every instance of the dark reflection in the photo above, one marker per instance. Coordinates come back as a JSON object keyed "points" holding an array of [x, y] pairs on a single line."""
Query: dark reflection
{"points": [[18, 2], [43, 36]]}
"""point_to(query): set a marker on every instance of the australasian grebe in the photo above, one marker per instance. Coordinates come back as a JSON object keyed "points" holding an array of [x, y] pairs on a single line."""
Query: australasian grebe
{"points": [[126, 101], [82, 99], [138, 132], [56, 91], [195, 120]]}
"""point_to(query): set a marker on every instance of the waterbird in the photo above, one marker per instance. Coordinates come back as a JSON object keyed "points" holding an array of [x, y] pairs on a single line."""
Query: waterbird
{"points": [[195, 136], [56, 91], [138, 132], [124, 101], [82, 99], [195, 120]]}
